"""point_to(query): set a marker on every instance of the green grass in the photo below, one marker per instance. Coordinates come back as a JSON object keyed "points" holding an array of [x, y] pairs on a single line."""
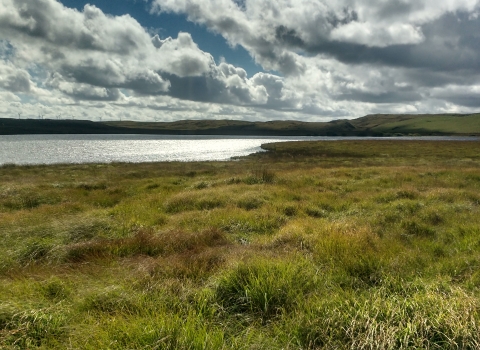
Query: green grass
{"points": [[358, 244], [423, 124]]}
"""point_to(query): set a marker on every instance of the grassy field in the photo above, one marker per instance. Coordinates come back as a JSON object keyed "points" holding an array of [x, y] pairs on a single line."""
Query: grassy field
{"points": [[333, 245], [424, 124]]}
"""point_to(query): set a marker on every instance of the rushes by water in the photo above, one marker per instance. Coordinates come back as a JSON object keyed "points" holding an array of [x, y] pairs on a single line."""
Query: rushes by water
{"points": [[324, 245]]}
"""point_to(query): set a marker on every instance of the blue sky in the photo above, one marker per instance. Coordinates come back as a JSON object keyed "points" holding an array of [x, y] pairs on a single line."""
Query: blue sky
{"points": [[312, 60]]}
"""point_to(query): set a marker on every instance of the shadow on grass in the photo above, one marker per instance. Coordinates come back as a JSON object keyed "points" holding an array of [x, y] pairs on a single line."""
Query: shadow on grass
{"points": [[146, 243]]}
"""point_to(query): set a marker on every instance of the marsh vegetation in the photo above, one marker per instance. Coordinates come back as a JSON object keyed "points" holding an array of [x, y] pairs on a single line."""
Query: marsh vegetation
{"points": [[358, 244]]}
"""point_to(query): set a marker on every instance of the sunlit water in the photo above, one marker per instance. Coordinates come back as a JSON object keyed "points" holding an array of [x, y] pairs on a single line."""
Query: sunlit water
{"points": [[50, 149]]}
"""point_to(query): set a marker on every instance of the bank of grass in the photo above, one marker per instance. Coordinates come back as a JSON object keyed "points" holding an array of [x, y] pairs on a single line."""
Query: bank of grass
{"points": [[356, 244]]}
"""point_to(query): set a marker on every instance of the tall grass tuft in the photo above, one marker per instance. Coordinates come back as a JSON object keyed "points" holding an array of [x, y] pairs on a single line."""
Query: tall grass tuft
{"points": [[35, 251], [425, 320], [30, 328], [261, 175], [112, 300], [265, 288], [56, 290], [162, 331]]}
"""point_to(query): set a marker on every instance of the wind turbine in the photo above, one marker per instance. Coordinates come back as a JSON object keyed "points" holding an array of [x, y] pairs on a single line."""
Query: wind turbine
{"points": [[19, 115]]}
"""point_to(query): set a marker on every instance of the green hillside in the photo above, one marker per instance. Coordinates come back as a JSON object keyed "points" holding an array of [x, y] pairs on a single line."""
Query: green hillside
{"points": [[237, 127], [421, 124]]}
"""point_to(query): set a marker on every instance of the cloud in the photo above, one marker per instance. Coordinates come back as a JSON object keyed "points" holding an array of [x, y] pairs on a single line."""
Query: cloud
{"points": [[372, 35], [228, 18], [88, 55], [99, 53], [415, 45], [400, 33], [13, 79], [459, 95], [80, 91], [321, 59], [55, 24], [182, 56]]}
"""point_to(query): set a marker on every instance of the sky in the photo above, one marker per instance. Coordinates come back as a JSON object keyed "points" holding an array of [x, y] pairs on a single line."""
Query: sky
{"points": [[257, 60]]}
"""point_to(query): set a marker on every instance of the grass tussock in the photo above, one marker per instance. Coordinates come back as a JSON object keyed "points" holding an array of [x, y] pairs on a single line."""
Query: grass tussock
{"points": [[425, 320], [331, 245], [26, 329], [187, 201], [264, 288], [145, 243]]}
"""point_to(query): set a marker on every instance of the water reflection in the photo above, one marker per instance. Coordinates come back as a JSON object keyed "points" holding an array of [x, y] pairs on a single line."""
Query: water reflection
{"points": [[50, 149]]}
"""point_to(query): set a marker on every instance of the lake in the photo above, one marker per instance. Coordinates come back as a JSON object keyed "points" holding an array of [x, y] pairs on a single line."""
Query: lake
{"points": [[51, 149]]}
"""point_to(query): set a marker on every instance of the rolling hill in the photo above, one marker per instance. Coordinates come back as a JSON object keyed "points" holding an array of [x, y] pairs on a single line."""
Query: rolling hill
{"points": [[370, 125]]}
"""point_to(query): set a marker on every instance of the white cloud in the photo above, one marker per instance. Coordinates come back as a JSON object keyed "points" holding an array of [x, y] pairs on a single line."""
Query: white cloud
{"points": [[14, 79], [336, 59], [182, 56], [91, 56], [267, 28], [375, 35], [329, 46]]}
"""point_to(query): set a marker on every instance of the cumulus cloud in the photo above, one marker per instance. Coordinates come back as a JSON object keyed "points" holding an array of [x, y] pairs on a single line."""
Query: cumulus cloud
{"points": [[182, 57], [13, 79], [82, 91], [321, 58], [231, 20], [51, 22], [393, 32], [99, 53], [88, 55], [337, 41]]}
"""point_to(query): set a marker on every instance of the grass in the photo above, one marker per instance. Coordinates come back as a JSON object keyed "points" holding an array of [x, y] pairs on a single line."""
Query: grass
{"points": [[358, 244], [468, 124], [424, 124]]}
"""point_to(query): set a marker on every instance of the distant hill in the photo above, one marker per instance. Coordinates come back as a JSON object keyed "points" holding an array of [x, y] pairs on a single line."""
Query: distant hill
{"points": [[370, 125], [49, 126], [235, 127], [423, 124]]}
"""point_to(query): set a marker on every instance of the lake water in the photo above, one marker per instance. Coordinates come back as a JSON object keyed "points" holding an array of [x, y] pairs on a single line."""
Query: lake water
{"points": [[50, 149]]}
